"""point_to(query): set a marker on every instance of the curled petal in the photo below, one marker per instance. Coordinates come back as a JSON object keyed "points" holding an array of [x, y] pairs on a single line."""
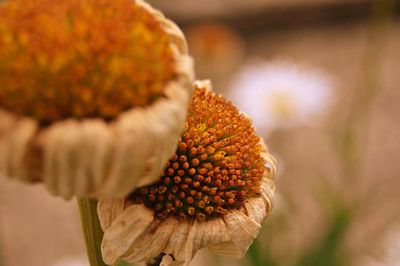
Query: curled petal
{"points": [[256, 209], [83, 152], [268, 192], [124, 231], [15, 136], [201, 235], [177, 239], [153, 241], [108, 210], [243, 231], [216, 232]]}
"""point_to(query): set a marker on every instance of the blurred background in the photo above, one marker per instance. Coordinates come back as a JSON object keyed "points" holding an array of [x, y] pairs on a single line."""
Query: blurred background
{"points": [[320, 79]]}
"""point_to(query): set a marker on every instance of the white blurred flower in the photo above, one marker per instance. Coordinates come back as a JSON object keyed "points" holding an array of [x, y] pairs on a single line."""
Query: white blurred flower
{"points": [[280, 94]]}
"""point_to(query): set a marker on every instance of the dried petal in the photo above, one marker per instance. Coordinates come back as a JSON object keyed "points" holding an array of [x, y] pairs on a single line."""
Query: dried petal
{"points": [[124, 231], [109, 210], [243, 231]]}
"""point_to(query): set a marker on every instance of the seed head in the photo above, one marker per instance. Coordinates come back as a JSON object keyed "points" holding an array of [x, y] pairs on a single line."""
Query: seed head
{"points": [[76, 58], [216, 167]]}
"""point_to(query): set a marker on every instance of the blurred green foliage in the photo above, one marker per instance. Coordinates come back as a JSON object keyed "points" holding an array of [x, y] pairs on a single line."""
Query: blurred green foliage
{"points": [[258, 257], [327, 251]]}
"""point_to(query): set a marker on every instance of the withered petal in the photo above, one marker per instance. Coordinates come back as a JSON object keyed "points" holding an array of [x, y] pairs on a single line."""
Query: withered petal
{"points": [[109, 210], [243, 231], [124, 231]]}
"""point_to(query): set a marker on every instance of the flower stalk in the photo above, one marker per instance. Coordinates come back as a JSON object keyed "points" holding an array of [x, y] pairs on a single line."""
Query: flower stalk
{"points": [[91, 230]]}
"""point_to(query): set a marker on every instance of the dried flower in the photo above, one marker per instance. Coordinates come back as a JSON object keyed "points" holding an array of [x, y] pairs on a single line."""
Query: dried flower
{"points": [[93, 94], [214, 192], [280, 94]]}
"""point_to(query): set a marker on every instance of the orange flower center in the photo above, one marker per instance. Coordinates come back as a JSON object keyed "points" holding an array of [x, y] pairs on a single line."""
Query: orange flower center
{"points": [[80, 58], [217, 164]]}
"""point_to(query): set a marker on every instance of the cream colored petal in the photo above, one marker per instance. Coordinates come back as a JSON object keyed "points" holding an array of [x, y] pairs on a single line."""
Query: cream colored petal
{"points": [[259, 207], [268, 184], [268, 192], [201, 235], [130, 155], [15, 136], [188, 242], [152, 242], [61, 156], [256, 209], [98, 148], [228, 249], [124, 231], [108, 211], [178, 237], [76, 156], [215, 232], [192, 243], [243, 231]]}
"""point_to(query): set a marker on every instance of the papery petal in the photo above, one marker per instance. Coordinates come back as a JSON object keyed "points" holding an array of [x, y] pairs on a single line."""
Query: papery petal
{"points": [[15, 135], [76, 150], [108, 211], [215, 232], [268, 192], [178, 237], [124, 231], [256, 209], [202, 234], [153, 241], [243, 231], [192, 243]]}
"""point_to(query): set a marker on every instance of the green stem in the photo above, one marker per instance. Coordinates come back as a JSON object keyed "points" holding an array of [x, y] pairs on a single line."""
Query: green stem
{"points": [[91, 230]]}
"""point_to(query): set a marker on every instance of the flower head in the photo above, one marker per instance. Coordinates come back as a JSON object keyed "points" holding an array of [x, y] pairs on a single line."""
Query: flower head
{"points": [[90, 79], [280, 94], [62, 59], [215, 191]]}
